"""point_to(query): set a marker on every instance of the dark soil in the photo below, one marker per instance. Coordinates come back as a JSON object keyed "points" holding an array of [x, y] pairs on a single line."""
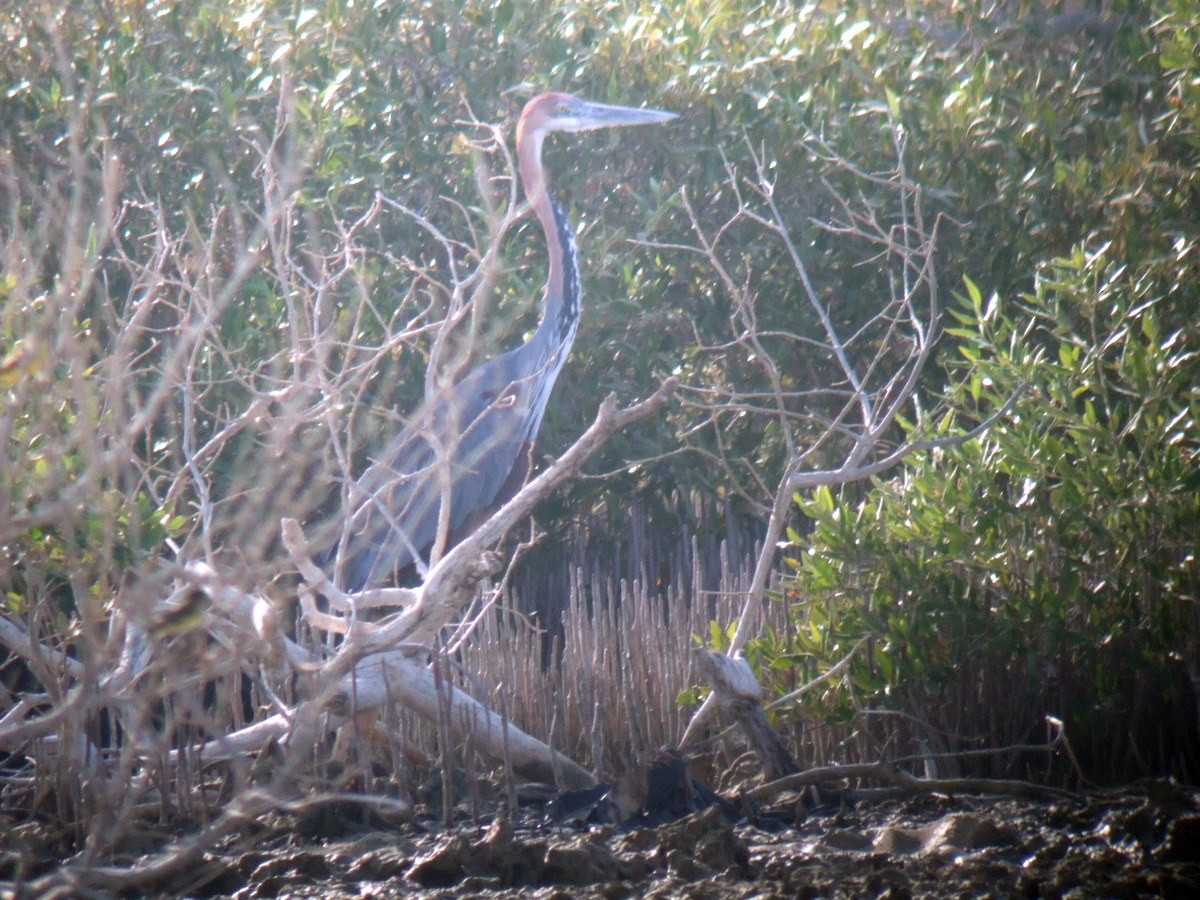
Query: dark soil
{"points": [[1140, 842]]}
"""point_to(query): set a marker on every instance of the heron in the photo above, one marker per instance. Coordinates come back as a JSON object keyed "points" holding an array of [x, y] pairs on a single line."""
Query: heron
{"points": [[471, 448]]}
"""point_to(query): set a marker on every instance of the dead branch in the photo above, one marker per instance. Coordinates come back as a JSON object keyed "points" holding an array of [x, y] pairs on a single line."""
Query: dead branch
{"points": [[359, 679], [451, 583], [374, 664], [872, 390], [890, 774], [739, 695]]}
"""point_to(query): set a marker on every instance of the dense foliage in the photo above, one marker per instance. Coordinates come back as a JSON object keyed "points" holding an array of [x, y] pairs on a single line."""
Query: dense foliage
{"points": [[1048, 566]]}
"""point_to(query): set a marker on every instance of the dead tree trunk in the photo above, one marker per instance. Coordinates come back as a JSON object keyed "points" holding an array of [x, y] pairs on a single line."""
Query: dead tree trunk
{"points": [[739, 695]]}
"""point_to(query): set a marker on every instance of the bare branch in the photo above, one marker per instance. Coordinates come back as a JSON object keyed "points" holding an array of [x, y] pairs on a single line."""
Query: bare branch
{"points": [[844, 431]]}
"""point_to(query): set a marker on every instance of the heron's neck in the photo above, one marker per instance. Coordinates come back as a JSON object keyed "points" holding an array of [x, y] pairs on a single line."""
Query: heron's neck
{"points": [[560, 316], [561, 313]]}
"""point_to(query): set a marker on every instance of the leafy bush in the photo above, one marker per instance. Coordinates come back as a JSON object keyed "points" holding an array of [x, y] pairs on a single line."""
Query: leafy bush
{"points": [[1049, 566]]}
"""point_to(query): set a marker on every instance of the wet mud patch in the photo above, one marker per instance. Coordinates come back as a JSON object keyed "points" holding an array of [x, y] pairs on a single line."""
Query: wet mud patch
{"points": [[1139, 842]]}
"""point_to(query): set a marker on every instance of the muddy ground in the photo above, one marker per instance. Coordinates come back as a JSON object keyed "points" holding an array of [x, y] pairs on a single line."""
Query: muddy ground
{"points": [[1143, 841]]}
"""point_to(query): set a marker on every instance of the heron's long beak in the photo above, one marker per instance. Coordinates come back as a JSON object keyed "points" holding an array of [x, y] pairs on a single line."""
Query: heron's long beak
{"points": [[588, 116]]}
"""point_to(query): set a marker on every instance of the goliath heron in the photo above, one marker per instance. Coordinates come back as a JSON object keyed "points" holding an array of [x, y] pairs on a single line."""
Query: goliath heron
{"points": [[471, 446]]}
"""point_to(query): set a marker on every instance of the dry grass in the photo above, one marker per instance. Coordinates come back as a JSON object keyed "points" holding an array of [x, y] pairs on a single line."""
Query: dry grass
{"points": [[619, 664], [601, 682]]}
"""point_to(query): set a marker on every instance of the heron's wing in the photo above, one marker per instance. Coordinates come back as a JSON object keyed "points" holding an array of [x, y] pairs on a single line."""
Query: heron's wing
{"points": [[472, 441], [397, 501], [394, 514]]}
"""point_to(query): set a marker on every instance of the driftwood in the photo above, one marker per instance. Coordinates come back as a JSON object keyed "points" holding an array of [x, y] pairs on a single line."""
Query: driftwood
{"points": [[371, 682], [402, 679], [381, 662], [375, 664], [738, 694], [909, 783]]}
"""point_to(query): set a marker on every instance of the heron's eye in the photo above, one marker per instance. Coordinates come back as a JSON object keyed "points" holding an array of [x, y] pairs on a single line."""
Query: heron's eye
{"points": [[561, 109]]}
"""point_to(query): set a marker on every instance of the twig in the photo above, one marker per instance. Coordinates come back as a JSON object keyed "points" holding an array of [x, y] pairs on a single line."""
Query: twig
{"points": [[890, 774]]}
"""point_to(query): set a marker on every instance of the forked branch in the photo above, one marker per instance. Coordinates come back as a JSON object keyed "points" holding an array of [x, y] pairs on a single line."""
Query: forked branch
{"points": [[875, 353]]}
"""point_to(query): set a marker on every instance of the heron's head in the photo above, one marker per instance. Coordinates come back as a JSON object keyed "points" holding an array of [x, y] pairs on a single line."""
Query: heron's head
{"points": [[563, 112]]}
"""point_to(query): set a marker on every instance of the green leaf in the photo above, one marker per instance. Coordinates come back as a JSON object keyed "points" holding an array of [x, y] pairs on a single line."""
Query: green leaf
{"points": [[973, 293]]}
